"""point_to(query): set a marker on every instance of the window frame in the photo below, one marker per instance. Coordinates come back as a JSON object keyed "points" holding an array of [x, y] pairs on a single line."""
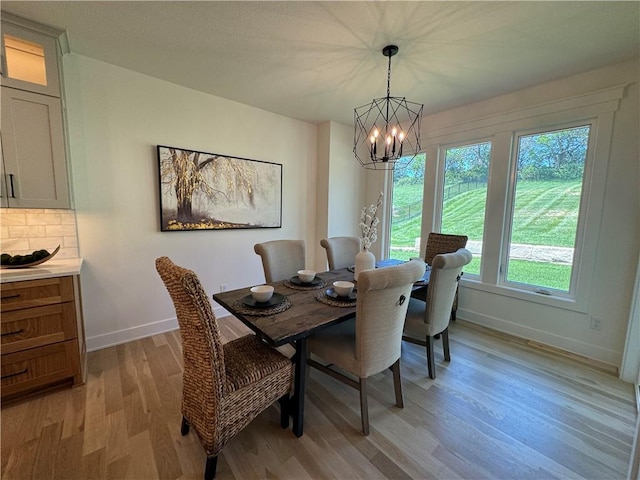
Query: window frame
{"points": [[580, 227], [596, 108], [442, 162]]}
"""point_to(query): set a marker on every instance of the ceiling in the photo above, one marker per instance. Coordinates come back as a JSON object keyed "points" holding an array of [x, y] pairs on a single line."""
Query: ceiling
{"points": [[317, 61]]}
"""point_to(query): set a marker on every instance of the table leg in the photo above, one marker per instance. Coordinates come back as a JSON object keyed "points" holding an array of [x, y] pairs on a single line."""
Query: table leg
{"points": [[299, 385]]}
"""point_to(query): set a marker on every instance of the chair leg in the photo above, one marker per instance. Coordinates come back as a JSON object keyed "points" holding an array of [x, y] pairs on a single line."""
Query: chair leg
{"points": [[445, 344], [364, 408], [184, 427], [431, 364], [210, 468], [397, 383], [284, 410]]}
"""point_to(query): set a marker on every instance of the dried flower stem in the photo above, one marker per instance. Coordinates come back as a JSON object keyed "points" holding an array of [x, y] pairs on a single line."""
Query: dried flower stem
{"points": [[369, 223]]}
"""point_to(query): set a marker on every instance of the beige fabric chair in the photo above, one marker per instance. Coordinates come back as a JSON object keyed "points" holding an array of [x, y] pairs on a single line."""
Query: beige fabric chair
{"points": [[369, 343], [424, 321], [438, 243], [224, 387], [281, 259], [341, 251]]}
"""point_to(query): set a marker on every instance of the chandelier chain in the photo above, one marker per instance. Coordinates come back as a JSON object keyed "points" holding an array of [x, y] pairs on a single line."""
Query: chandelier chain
{"points": [[389, 79]]}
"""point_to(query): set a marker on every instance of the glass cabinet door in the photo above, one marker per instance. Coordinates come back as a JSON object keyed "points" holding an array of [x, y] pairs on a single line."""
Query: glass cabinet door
{"points": [[29, 60]]}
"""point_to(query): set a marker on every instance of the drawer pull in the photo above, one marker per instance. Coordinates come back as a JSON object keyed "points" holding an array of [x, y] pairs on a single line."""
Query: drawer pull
{"points": [[14, 374], [17, 295], [12, 333]]}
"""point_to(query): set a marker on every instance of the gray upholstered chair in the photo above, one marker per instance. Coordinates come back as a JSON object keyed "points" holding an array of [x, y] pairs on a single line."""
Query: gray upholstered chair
{"points": [[369, 343], [438, 243], [281, 259], [341, 251], [426, 320], [224, 387]]}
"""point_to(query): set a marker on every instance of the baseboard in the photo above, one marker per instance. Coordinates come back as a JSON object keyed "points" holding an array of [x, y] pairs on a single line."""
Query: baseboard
{"points": [[605, 357]]}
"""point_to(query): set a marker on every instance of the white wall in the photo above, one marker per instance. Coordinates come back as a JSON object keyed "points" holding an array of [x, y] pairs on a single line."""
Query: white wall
{"points": [[612, 238], [116, 118], [341, 185]]}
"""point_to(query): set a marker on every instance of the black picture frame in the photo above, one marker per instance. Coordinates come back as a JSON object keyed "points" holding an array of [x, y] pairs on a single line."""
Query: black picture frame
{"points": [[212, 191]]}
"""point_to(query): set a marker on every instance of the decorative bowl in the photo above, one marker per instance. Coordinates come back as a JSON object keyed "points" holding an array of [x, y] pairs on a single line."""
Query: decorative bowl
{"points": [[35, 262], [343, 288], [306, 276], [262, 293]]}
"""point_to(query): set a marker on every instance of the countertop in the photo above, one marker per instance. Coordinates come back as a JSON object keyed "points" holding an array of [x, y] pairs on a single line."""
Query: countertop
{"points": [[53, 268]]}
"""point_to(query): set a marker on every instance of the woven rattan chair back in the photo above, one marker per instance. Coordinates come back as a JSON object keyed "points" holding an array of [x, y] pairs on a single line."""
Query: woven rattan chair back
{"points": [[203, 356], [225, 386], [438, 243]]}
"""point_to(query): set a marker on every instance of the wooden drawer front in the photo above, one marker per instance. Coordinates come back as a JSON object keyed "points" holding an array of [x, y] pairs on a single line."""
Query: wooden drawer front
{"points": [[36, 293], [35, 327], [37, 367]]}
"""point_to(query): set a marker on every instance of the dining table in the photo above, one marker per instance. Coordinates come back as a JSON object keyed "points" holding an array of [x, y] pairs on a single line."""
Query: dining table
{"points": [[303, 310]]}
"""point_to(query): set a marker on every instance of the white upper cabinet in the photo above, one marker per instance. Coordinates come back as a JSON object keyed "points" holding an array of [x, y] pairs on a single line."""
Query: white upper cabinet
{"points": [[29, 60], [35, 174]]}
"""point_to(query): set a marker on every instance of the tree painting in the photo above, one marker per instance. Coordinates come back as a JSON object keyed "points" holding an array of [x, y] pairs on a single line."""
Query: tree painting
{"points": [[207, 191]]}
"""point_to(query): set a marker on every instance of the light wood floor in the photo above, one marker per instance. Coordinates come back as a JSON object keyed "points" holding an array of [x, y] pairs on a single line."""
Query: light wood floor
{"points": [[500, 410]]}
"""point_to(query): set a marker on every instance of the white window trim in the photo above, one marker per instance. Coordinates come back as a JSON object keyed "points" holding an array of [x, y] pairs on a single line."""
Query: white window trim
{"points": [[597, 108]]}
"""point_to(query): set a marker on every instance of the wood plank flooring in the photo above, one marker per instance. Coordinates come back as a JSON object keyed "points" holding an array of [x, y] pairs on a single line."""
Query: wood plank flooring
{"points": [[501, 409]]}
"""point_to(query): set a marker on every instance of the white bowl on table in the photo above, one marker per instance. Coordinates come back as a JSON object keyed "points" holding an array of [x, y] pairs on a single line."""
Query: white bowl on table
{"points": [[306, 276], [342, 288], [262, 293]]}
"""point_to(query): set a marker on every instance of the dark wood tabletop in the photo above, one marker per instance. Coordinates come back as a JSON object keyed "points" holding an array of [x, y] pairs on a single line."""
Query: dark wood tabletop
{"points": [[305, 315]]}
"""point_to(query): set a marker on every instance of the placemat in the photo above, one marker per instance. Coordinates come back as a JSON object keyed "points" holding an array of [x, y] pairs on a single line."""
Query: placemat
{"points": [[262, 312], [293, 286], [323, 298]]}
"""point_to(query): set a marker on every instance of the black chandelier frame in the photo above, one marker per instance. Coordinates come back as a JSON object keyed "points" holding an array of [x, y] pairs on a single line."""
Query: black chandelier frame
{"points": [[387, 130]]}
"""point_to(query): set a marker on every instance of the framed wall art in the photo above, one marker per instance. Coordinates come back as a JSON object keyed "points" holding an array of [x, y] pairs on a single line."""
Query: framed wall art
{"points": [[210, 191]]}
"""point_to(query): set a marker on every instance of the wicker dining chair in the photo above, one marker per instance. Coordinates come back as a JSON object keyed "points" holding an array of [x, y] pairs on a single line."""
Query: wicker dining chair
{"points": [[370, 343], [428, 320], [341, 251], [281, 259], [224, 387], [438, 243]]}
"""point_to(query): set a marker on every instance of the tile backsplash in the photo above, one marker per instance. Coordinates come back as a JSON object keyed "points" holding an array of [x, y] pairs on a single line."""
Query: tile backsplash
{"points": [[23, 230]]}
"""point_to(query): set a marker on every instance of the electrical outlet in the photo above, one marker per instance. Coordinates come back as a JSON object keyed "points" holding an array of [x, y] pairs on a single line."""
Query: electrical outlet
{"points": [[596, 323], [224, 287]]}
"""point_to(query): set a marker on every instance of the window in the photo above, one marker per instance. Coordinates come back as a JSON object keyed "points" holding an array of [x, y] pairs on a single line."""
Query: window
{"points": [[406, 210], [545, 208], [464, 195]]}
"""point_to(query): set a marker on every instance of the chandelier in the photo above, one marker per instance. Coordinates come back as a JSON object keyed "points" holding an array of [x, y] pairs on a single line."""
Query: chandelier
{"points": [[387, 129]]}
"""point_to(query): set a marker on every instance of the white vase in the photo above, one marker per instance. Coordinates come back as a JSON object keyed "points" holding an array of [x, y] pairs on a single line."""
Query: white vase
{"points": [[365, 260]]}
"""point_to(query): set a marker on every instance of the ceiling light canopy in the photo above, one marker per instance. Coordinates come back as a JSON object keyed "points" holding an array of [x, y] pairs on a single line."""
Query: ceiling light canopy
{"points": [[387, 129]]}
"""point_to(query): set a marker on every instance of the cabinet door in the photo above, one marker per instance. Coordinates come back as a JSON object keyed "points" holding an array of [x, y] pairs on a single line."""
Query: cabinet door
{"points": [[29, 60], [33, 150]]}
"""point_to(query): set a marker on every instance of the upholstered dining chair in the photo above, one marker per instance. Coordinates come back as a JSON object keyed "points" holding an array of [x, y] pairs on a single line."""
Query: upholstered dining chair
{"points": [[281, 259], [341, 251], [438, 243], [427, 319], [224, 387], [369, 343]]}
